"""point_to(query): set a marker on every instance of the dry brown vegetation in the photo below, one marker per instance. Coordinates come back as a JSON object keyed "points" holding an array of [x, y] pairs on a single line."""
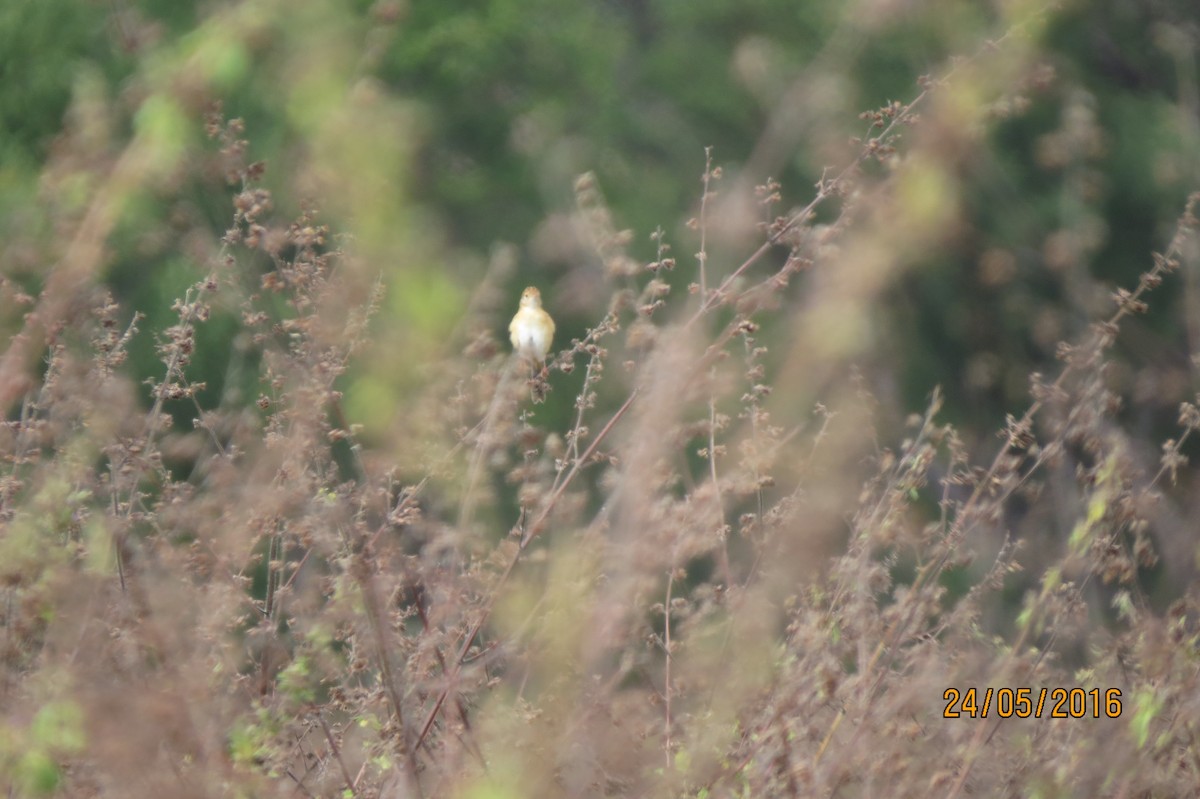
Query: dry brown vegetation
{"points": [[732, 574]]}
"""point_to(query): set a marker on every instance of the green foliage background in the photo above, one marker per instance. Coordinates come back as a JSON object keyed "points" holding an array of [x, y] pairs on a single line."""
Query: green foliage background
{"points": [[450, 127]]}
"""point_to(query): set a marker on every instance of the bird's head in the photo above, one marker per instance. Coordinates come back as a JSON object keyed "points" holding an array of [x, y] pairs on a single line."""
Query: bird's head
{"points": [[531, 298]]}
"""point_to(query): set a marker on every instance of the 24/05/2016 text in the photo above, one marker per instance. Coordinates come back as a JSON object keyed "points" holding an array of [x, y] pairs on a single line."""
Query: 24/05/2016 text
{"points": [[1064, 703]]}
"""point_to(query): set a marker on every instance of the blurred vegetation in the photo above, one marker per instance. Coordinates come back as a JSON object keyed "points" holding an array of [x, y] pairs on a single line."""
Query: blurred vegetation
{"points": [[400, 170], [471, 121]]}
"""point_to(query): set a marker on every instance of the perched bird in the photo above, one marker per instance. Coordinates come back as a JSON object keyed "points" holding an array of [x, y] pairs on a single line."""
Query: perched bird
{"points": [[532, 329]]}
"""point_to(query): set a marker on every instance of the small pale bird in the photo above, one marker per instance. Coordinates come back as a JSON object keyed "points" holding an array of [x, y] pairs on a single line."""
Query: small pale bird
{"points": [[532, 329]]}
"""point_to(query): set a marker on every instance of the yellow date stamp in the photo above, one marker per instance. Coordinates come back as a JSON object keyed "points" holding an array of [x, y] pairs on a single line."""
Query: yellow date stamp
{"points": [[1053, 703]]}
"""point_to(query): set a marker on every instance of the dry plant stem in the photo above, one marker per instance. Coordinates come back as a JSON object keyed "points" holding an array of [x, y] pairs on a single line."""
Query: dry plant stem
{"points": [[470, 742], [827, 188], [667, 671], [300, 787], [718, 294], [383, 647], [463, 649], [187, 318], [758, 493], [722, 553], [719, 510], [530, 533], [475, 470], [582, 401], [337, 755], [535, 528], [702, 256], [577, 428]]}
